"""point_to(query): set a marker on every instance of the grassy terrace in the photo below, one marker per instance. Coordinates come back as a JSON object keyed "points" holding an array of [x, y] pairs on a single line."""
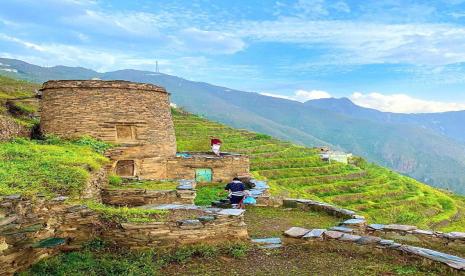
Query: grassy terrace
{"points": [[50, 167], [295, 171]]}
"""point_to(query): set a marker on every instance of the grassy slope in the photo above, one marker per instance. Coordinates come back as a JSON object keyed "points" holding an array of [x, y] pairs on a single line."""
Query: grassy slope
{"points": [[295, 171], [11, 89], [49, 167]]}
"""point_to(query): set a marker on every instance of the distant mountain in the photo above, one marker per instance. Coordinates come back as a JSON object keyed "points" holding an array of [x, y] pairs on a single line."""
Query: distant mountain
{"points": [[425, 151], [450, 124]]}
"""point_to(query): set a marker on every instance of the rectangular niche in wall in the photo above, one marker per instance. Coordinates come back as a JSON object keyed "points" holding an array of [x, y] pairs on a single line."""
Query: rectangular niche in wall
{"points": [[125, 133], [125, 168]]}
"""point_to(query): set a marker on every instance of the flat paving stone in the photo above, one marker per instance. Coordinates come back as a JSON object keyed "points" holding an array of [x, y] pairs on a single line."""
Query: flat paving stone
{"points": [[333, 234], [349, 237], [342, 229], [231, 212], [456, 235], [354, 222], [399, 227], [376, 226], [314, 234], [386, 242], [368, 240], [450, 260], [60, 198], [296, 232], [267, 240], [423, 232]]}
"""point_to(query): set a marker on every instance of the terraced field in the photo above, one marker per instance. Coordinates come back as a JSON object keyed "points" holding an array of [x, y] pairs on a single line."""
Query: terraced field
{"points": [[295, 171]]}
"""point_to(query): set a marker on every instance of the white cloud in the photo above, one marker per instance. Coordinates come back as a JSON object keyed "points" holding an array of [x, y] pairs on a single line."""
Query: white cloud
{"points": [[401, 103], [210, 41], [356, 42], [302, 95]]}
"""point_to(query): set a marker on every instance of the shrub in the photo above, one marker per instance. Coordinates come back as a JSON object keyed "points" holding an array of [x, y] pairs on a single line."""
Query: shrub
{"points": [[115, 180]]}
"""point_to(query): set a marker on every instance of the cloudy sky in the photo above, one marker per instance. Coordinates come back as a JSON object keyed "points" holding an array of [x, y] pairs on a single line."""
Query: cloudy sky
{"points": [[394, 55]]}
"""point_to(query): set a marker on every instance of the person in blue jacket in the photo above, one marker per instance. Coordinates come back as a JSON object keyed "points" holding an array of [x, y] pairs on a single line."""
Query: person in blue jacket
{"points": [[236, 191]]}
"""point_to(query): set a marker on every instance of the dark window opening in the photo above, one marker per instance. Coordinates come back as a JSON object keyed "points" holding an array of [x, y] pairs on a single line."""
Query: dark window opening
{"points": [[125, 168]]}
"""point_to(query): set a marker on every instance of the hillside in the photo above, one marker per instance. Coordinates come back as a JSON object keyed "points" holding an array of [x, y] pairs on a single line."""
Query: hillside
{"points": [[296, 171], [423, 152]]}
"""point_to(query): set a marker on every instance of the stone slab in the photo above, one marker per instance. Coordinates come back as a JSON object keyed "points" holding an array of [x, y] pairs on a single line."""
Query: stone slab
{"points": [[314, 234], [376, 226], [267, 240], [423, 232], [456, 235], [450, 260], [349, 237], [368, 240], [399, 227], [296, 232], [354, 222], [333, 234], [386, 242], [231, 212], [8, 220], [342, 229]]}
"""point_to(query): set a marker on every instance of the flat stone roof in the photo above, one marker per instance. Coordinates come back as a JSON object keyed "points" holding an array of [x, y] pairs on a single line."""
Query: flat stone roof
{"points": [[120, 84]]}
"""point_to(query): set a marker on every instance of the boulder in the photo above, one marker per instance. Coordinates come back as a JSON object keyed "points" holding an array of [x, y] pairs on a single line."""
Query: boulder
{"points": [[296, 232]]}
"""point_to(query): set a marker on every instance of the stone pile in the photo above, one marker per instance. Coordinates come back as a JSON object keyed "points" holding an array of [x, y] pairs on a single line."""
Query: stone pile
{"points": [[323, 234]]}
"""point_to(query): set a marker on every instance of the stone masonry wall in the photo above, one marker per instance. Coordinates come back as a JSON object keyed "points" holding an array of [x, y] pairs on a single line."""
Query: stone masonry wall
{"points": [[34, 229], [139, 197], [211, 227], [135, 116], [224, 168]]}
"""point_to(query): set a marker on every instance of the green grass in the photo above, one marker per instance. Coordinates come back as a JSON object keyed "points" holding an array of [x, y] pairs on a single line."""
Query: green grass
{"points": [[209, 192], [23, 110], [295, 171], [51, 167], [265, 222], [126, 214]]}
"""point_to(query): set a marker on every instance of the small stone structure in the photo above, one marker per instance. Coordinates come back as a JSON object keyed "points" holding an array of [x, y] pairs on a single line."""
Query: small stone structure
{"points": [[223, 168], [136, 117], [184, 194]]}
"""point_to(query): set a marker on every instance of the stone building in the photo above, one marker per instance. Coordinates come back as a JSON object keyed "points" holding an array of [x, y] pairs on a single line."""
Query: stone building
{"points": [[136, 117]]}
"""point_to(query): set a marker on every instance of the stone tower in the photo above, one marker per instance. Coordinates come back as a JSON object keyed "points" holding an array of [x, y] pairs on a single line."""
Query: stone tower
{"points": [[134, 116]]}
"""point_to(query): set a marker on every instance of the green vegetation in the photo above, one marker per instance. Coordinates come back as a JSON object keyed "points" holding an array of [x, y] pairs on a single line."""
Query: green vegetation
{"points": [[209, 192], [316, 258], [265, 222], [22, 110], [126, 214], [98, 258], [295, 171], [49, 167]]}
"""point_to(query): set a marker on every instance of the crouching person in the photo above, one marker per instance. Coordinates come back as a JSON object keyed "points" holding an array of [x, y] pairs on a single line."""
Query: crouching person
{"points": [[237, 193]]}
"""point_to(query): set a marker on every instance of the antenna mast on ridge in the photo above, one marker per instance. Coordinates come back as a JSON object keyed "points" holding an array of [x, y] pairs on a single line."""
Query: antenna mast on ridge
{"points": [[156, 67]]}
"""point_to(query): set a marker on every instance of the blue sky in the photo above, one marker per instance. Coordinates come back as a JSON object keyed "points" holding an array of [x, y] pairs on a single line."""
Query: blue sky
{"points": [[401, 56]]}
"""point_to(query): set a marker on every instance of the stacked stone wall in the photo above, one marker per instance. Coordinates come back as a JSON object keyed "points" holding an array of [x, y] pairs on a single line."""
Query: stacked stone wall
{"points": [[139, 197], [224, 168], [208, 227], [34, 229]]}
